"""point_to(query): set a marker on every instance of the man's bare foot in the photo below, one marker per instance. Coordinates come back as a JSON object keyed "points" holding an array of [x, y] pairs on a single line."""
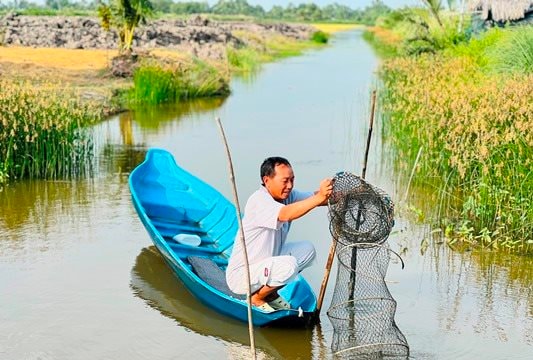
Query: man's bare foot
{"points": [[264, 295]]}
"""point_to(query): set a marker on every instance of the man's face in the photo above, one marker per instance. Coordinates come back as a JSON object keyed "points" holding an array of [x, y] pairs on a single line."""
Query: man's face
{"points": [[281, 184]]}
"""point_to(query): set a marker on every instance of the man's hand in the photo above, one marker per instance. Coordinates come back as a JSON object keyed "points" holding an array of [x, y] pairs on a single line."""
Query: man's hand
{"points": [[325, 190]]}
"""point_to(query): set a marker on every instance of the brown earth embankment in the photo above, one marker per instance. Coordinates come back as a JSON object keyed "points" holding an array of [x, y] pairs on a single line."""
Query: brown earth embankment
{"points": [[197, 35]]}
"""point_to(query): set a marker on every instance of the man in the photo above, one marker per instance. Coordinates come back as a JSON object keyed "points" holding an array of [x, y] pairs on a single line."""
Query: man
{"points": [[267, 220]]}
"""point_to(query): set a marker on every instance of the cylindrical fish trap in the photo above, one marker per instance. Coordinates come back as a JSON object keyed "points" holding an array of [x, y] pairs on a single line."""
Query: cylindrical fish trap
{"points": [[362, 309]]}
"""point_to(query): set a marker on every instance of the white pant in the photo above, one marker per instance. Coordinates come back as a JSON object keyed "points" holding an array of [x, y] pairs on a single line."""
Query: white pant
{"points": [[279, 270]]}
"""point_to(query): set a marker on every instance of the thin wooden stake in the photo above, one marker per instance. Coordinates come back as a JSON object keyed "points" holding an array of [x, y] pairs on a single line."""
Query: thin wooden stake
{"points": [[372, 111], [329, 263], [331, 255], [241, 239]]}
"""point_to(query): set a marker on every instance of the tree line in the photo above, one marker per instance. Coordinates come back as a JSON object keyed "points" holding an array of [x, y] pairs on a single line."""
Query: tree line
{"points": [[303, 12]]}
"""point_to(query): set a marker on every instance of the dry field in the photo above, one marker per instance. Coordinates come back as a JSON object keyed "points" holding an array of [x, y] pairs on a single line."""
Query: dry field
{"points": [[77, 69], [82, 69], [333, 28], [69, 59]]}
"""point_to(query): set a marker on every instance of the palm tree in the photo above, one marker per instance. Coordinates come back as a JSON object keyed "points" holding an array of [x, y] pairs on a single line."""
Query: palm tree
{"points": [[124, 16], [434, 6]]}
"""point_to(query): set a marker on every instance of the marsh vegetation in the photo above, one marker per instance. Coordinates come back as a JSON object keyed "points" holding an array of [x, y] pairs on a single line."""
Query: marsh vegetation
{"points": [[458, 109], [42, 131]]}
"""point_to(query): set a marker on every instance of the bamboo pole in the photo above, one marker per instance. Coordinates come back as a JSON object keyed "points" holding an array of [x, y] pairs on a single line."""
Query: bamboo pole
{"points": [[325, 279], [333, 247], [371, 126], [241, 239]]}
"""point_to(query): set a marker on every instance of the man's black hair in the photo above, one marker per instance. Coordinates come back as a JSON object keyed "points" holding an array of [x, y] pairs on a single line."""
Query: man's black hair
{"points": [[268, 166]]}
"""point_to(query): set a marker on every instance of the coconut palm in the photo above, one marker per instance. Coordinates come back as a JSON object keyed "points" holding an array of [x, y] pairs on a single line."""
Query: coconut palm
{"points": [[435, 7], [124, 16]]}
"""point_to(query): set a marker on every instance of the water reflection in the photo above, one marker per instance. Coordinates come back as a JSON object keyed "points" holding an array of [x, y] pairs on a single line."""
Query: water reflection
{"points": [[120, 159], [464, 305], [125, 120], [40, 204], [495, 290], [153, 281], [152, 117], [121, 147]]}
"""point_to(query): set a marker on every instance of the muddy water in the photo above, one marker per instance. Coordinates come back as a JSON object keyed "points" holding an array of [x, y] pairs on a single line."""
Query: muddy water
{"points": [[79, 278]]}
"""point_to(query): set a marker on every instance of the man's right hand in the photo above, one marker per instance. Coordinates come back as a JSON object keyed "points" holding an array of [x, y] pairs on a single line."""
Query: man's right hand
{"points": [[326, 189]]}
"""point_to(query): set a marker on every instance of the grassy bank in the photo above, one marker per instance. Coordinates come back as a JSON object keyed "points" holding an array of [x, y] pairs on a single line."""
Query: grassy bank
{"points": [[467, 107], [158, 80], [260, 50], [155, 82]]}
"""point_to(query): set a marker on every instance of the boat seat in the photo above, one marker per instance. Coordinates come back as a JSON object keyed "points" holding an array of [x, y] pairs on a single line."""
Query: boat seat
{"points": [[212, 274]]}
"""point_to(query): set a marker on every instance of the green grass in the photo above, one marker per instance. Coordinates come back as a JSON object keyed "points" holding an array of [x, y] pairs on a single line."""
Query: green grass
{"points": [[504, 51], [259, 50], [478, 46], [244, 60], [279, 47], [156, 83], [419, 32], [513, 53], [381, 48], [42, 11]]}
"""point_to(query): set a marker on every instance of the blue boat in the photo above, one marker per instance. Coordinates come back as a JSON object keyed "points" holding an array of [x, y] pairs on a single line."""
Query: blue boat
{"points": [[175, 206]]}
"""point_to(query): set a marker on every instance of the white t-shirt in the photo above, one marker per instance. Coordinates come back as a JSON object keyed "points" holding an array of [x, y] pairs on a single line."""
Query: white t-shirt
{"points": [[263, 233]]}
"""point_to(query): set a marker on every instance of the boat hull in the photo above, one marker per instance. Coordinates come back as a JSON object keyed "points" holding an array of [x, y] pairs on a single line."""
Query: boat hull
{"points": [[155, 196]]}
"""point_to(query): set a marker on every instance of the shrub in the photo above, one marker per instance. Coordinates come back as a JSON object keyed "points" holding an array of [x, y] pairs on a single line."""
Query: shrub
{"points": [[476, 48], [320, 37]]}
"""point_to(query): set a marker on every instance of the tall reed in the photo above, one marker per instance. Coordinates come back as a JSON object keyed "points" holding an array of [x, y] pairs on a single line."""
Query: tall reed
{"points": [[477, 135], [41, 131]]}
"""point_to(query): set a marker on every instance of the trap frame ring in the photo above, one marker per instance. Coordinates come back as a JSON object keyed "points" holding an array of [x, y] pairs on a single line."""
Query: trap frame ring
{"points": [[351, 303], [338, 217], [364, 245], [374, 345], [367, 215]]}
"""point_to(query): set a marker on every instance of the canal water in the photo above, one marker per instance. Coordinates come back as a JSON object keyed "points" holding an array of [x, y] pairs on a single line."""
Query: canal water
{"points": [[80, 279]]}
